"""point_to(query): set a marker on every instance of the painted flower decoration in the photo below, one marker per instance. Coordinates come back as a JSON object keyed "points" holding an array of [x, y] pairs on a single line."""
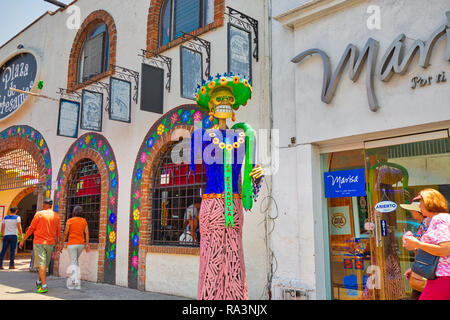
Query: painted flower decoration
{"points": [[64, 167], [112, 218], [136, 214], [137, 194], [135, 240], [112, 256], [174, 117], [112, 201], [112, 166], [134, 261], [211, 85], [150, 142], [202, 90], [139, 174], [112, 237], [185, 116], [236, 79], [160, 130], [143, 157], [223, 81], [207, 123], [106, 152], [114, 183], [88, 138], [197, 116]]}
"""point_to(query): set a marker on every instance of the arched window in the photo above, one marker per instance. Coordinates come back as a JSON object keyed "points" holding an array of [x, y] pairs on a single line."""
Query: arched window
{"points": [[94, 56], [84, 189], [175, 190], [183, 15]]}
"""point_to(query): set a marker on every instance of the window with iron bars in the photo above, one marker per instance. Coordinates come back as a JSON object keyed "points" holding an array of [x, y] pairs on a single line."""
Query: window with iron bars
{"points": [[83, 189], [175, 190]]}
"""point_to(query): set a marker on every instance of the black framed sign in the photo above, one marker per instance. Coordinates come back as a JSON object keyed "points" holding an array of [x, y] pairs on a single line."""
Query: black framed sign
{"points": [[239, 52], [152, 89], [91, 110], [191, 72], [69, 113], [120, 102]]}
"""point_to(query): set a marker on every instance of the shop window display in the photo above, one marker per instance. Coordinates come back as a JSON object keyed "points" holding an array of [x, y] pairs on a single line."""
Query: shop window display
{"points": [[367, 258]]}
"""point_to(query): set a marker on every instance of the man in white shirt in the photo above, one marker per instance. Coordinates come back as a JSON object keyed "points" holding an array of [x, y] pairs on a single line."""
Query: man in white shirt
{"points": [[190, 224], [10, 225]]}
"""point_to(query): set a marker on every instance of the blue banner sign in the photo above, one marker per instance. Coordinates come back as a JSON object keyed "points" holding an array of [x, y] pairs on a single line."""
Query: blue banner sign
{"points": [[347, 183]]}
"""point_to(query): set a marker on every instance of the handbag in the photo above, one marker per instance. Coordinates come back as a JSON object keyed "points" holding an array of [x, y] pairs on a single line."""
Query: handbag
{"points": [[425, 265], [417, 282]]}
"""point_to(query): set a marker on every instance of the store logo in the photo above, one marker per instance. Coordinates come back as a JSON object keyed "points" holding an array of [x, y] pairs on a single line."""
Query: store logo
{"points": [[338, 220], [393, 61], [386, 206]]}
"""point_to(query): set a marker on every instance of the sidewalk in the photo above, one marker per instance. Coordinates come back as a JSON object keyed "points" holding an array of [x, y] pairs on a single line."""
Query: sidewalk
{"points": [[19, 284]]}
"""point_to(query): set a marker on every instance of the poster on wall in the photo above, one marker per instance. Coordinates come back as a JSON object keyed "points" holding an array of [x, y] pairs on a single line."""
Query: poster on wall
{"points": [[346, 183], [120, 109], [191, 72], [91, 110], [239, 52], [340, 223], [69, 112]]}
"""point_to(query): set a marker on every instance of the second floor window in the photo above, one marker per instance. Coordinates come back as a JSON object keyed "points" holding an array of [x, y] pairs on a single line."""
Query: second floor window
{"points": [[94, 56], [183, 15]]}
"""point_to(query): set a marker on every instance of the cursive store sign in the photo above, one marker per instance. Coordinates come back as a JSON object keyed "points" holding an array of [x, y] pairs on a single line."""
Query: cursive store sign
{"points": [[419, 81], [395, 60], [17, 73], [345, 183]]}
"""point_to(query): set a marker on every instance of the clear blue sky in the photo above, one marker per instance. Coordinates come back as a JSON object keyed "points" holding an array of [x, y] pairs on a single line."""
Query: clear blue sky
{"points": [[15, 15]]}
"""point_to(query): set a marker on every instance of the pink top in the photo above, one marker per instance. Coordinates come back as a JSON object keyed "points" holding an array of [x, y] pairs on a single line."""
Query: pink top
{"points": [[439, 231]]}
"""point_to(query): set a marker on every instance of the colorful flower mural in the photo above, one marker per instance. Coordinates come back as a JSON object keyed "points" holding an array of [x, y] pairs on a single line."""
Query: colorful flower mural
{"points": [[99, 144]]}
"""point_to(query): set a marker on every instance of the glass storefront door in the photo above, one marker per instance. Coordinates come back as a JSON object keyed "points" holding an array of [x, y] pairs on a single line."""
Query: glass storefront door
{"points": [[367, 258]]}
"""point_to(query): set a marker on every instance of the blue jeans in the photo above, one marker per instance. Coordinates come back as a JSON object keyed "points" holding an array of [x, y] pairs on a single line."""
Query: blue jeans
{"points": [[9, 241]]}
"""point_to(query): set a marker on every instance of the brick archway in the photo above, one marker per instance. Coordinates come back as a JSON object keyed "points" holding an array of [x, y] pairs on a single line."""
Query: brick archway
{"points": [[178, 121], [21, 196], [93, 19], [153, 25], [32, 141], [95, 147]]}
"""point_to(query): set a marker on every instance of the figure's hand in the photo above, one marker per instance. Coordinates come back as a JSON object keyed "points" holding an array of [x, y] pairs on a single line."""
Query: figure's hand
{"points": [[21, 244], [257, 172], [408, 273], [87, 247]]}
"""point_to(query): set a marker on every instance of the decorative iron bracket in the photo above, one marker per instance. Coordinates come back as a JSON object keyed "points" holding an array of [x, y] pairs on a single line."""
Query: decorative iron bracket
{"points": [[100, 87], [159, 61], [72, 95], [127, 74], [248, 23], [197, 44]]}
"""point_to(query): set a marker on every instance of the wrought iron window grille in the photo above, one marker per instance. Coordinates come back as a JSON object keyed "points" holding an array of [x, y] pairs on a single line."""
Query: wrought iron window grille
{"points": [[69, 95], [248, 23]]}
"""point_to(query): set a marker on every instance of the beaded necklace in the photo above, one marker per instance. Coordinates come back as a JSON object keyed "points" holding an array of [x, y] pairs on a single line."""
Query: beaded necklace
{"points": [[228, 146]]}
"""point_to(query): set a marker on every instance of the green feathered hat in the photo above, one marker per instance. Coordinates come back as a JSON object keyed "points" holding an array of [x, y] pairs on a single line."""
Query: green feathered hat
{"points": [[240, 87]]}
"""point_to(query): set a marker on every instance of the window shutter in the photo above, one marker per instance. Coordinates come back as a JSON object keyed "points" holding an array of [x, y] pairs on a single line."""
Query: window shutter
{"points": [[93, 56], [186, 16]]}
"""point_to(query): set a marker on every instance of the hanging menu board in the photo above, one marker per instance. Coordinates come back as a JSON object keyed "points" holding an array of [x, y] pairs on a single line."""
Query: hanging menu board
{"points": [[91, 110], [191, 72], [18, 73], [69, 112], [239, 52]]}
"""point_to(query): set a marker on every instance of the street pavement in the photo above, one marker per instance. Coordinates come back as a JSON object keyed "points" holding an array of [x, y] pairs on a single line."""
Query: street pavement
{"points": [[19, 284]]}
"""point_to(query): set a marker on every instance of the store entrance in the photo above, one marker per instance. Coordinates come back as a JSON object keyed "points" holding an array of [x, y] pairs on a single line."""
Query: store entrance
{"points": [[367, 258]]}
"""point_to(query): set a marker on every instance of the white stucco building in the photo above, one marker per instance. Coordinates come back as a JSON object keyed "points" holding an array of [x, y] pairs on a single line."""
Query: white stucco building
{"points": [[121, 154], [391, 118]]}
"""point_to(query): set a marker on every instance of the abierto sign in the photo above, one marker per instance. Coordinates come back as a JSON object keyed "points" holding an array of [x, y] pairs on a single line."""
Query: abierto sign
{"points": [[19, 73]]}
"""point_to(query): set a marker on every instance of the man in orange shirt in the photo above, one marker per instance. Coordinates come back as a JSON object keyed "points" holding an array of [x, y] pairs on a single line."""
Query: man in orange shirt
{"points": [[46, 227]]}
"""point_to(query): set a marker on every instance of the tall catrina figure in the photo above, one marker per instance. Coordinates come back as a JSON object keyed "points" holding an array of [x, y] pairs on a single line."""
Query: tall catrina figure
{"points": [[222, 152]]}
